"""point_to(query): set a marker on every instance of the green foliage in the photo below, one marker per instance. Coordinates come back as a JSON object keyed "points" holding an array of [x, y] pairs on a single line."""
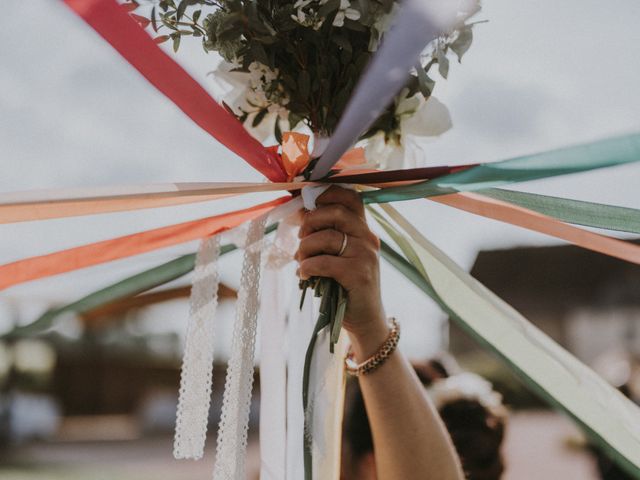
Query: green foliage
{"points": [[317, 50]]}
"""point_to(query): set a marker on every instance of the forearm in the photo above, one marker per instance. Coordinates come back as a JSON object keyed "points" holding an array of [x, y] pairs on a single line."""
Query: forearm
{"points": [[410, 441]]}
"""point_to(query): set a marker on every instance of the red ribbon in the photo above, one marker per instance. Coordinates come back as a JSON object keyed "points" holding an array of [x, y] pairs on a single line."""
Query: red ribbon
{"points": [[112, 22]]}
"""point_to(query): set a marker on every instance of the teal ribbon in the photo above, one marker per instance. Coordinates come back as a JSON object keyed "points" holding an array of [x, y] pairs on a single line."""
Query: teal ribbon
{"points": [[581, 158]]}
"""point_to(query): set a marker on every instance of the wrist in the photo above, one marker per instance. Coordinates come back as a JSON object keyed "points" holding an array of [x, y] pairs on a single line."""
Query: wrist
{"points": [[366, 342]]}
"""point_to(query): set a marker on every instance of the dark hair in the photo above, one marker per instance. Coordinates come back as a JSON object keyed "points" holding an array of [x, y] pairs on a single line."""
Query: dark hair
{"points": [[477, 432]]}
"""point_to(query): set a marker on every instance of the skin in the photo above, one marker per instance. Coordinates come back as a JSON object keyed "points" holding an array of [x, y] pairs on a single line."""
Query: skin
{"points": [[410, 440]]}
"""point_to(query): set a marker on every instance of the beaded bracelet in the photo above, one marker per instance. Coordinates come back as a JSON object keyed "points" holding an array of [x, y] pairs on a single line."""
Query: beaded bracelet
{"points": [[384, 352]]}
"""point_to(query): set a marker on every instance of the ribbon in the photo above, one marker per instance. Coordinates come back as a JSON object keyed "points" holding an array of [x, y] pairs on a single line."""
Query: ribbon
{"points": [[611, 420], [236, 403], [580, 158], [71, 202], [296, 156], [278, 280], [196, 378], [515, 215], [100, 252], [112, 22], [588, 214], [46, 204]]}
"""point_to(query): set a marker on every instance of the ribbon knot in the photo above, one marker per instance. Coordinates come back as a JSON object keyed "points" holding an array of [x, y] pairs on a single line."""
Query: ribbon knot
{"points": [[295, 155]]}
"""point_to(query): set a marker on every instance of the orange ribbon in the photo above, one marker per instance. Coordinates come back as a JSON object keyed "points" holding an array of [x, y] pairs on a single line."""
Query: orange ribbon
{"points": [[295, 155], [523, 217], [100, 252]]}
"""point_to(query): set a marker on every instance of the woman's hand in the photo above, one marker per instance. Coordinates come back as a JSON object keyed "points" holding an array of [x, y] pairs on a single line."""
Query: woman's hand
{"points": [[340, 211]]}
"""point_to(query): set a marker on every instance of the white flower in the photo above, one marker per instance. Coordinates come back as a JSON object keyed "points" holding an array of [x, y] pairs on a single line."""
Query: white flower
{"points": [[417, 118], [345, 12], [230, 86], [464, 386], [381, 25], [309, 18], [249, 92]]}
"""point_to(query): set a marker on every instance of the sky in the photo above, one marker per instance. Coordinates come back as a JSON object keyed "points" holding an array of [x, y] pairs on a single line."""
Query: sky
{"points": [[539, 75]]}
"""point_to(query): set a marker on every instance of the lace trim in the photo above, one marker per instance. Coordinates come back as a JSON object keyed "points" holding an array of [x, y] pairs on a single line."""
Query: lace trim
{"points": [[195, 382], [234, 420]]}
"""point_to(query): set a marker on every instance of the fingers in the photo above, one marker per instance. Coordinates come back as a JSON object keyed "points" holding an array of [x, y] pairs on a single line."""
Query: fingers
{"points": [[322, 233], [336, 217], [342, 269], [342, 196], [328, 266], [329, 242]]}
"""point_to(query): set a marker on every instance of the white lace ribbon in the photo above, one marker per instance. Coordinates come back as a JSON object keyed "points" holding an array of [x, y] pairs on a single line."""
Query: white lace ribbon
{"points": [[234, 420], [197, 363]]}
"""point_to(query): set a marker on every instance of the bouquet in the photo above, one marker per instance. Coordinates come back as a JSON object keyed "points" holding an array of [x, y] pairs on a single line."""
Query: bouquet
{"points": [[293, 65]]}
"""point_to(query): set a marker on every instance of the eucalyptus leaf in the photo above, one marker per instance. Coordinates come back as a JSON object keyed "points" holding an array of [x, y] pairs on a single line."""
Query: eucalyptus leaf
{"points": [[443, 62], [154, 19], [462, 42], [181, 9], [259, 117], [425, 83], [278, 131], [176, 41]]}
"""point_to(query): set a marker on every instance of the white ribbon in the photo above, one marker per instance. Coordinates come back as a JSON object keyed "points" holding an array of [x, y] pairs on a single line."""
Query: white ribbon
{"points": [[195, 380], [276, 293], [326, 405], [234, 420]]}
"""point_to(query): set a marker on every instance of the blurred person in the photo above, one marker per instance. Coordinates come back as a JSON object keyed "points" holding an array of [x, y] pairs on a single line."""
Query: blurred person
{"points": [[622, 370], [472, 412]]}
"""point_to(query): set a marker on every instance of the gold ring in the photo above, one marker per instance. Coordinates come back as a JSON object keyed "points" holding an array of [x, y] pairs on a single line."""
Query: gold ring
{"points": [[343, 247]]}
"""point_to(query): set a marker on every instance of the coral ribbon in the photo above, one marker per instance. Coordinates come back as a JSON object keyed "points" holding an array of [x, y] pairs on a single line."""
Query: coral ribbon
{"points": [[112, 22], [100, 252], [522, 217]]}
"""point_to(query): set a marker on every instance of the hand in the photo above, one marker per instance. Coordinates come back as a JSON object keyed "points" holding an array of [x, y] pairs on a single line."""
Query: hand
{"points": [[357, 269]]}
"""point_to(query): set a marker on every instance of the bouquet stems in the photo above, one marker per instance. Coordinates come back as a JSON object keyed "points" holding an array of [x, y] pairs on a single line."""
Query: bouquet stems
{"points": [[333, 304]]}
